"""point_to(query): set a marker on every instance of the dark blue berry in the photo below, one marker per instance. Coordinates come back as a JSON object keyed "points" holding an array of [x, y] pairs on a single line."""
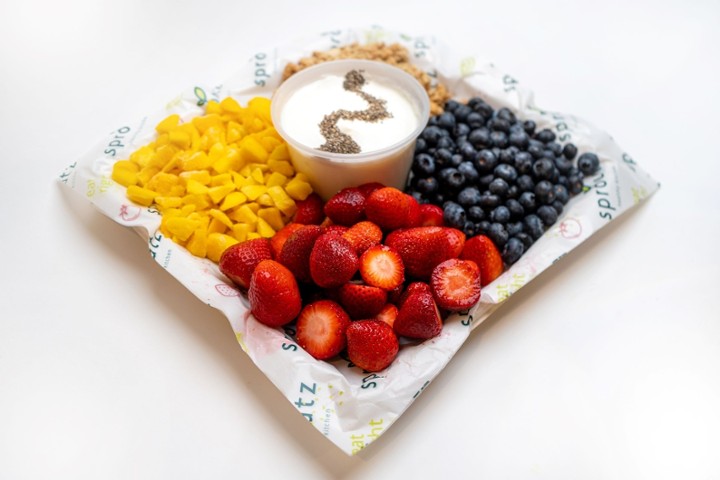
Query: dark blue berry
{"points": [[516, 209], [543, 169], [529, 127], [525, 183], [432, 134], [544, 192], [455, 160], [533, 226], [563, 165], [500, 214], [446, 120], [513, 192], [547, 214], [499, 187], [499, 139], [527, 201], [445, 142], [588, 163], [479, 138], [461, 129], [507, 156], [499, 125], [467, 151], [569, 151], [454, 215], [468, 169], [514, 228], [452, 178], [513, 250], [506, 114], [420, 145], [424, 164], [549, 154], [545, 135], [482, 227], [555, 147], [475, 213], [469, 196], [482, 108], [575, 184], [485, 161], [506, 172], [461, 113], [475, 120], [526, 239], [561, 193], [488, 201], [469, 229], [443, 157], [523, 162], [451, 105], [485, 180], [519, 139], [535, 150], [558, 206], [427, 185], [498, 234]]}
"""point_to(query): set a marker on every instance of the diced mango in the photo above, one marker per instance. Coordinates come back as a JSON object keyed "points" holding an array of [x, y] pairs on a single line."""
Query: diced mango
{"points": [[216, 245], [170, 122], [197, 245], [298, 188], [221, 191], [140, 195], [252, 150], [253, 191], [264, 229], [232, 200], [180, 227], [272, 216]]}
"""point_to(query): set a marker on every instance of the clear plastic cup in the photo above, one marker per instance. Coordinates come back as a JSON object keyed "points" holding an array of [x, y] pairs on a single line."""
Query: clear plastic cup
{"points": [[330, 172]]}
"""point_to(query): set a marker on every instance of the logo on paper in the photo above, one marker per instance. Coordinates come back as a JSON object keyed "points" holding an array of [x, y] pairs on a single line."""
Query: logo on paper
{"points": [[129, 213], [570, 228], [226, 290]]}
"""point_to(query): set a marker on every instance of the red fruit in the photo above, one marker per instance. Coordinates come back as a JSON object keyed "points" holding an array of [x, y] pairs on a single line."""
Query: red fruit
{"points": [[481, 250], [413, 215], [310, 210], [455, 284], [278, 240], [238, 261], [418, 316], [274, 294], [321, 329], [367, 188], [371, 344], [431, 215], [388, 208], [456, 241], [363, 235], [335, 229], [347, 207], [362, 301], [412, 288], [423, 248], [388, 314], [333, 261], [381, 266], [295, 254]]}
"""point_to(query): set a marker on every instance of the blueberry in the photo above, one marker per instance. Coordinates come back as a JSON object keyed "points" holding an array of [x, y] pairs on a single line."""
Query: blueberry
{"points": [[484, 109], [475, 213], [420, 145], [513, 250], [506, 172], [485, 181], [555, 147], [526, 239], [443, 157], [519, 139], [461, 129], [475, 120], [438, 198], [500, 214], [513, 192], [479, 138], [545, 135], [454, 215], [452, 178], [561, 194], [467, 151], [482, 227], [558, 206], [547, 214], [507, 156], [569, 151], [499, 187], [543, 169], [455, 160], [563, 180], [461, 113], [427, 185], [499, 139], [516, 209], [563, 165], [544, 192], [575, 184], [469, 196], [533, 226], [525, 183], [506, 114], [527, 201], [535, 150], [445, 142], [451, 105], [523, 162], [489, 201], [498, 234], [424, 164], [547, 153], [468, 169], [446, 120], [514, 228], [485, 161], [588, 163], [499, 125], [432, 134], [529, 127]]}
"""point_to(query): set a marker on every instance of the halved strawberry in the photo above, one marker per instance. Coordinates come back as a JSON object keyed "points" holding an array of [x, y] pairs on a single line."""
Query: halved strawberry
{"points": [[431, 215], [362, 301], [363, 235], [346, 207], [381, 266], [418, 315], [388, 314], [371, 344], [481, 250], [295, 253], [238, 261], [274, 295], [422, 248], [321, 329], [388, 208], [333, 261], [455, 284], [310, 210], [278, 240]]}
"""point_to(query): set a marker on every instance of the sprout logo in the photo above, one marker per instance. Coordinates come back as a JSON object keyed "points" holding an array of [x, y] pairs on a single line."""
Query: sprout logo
{"points": [[201, 96], [570, 228]]}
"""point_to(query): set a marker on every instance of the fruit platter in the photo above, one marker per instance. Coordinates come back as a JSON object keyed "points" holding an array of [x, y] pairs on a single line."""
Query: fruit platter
{"points": [[355, 204]]}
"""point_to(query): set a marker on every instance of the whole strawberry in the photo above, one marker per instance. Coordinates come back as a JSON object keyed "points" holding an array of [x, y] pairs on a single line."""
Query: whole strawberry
{"points": [[389, 208], [362, 301], [274, 294], [333, 261], [347, 207], [238, 261], [481, 250], [422, 248], [310, 210], [418, 315], [371, 344], [295, 253]]}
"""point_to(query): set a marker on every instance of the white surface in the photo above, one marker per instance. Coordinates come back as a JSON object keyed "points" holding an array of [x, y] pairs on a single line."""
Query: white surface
{"points": [[607, 366]]}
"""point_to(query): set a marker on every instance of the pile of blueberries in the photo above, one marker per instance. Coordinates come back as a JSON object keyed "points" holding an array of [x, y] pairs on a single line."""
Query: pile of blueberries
{"points": [[495, 174]]}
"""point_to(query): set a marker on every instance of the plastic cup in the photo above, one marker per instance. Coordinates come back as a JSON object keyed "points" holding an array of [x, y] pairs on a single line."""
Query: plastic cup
{"points": [[330, 172]]}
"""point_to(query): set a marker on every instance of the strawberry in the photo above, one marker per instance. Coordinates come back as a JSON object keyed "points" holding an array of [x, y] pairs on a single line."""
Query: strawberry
{"points": [[310, 210], [388, 208], [455, 284], [388, 314], [347, 207], [456, 241], [238, 261], [413, 214], [321, 329], [273, 294], [381, 266], [422, 248], [481, 250], [295, 253], [418, 315], [333, 261], [362, 301], [431, 216], [335, 229], [371, 344], [278, 240], [367, 188], [363, 235]]}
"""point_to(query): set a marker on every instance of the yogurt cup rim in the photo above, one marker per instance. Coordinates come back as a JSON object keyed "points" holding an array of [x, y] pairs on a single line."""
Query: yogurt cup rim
{"points": [[407, 83]]}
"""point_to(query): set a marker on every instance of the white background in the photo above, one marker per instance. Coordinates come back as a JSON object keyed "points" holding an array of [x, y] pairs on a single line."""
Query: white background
{"points": [[607, 366]]}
